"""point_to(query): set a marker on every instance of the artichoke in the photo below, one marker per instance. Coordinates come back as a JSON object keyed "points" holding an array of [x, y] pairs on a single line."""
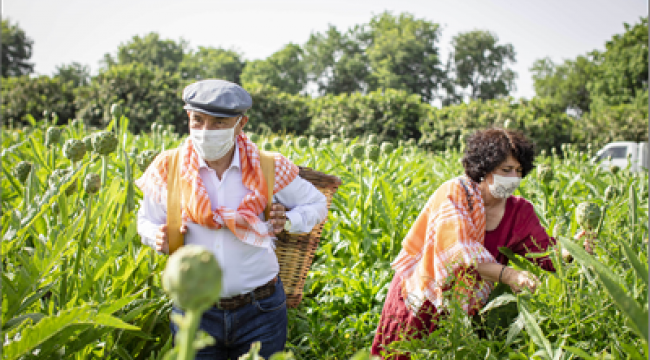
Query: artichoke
{"points": [[104, 142], [52, 136], [302, 142], [77, 123], [62, 176], [544, 173], [387, 148], [192, 278], [267, 146], [74, 150], [357, 151], [373, 152], [588, 215], [21, 171], [614, 169], [372, 139], [116, 111], [611, 192], [145, 158], [92, 183], [254, 137], [278, 142], [88, 141]]}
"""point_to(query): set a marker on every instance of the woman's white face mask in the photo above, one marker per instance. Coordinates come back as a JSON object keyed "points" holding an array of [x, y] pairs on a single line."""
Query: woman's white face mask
{"points": [[503, 187], [212, 145]]}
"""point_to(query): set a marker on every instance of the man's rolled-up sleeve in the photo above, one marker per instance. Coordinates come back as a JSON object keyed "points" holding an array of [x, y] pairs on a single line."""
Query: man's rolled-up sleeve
{"points": [[150, 216], [307, 205]]}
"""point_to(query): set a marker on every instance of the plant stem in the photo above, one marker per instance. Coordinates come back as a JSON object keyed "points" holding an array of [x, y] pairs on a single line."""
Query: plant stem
{"points": [[82, 239], [104, 169], [186, 334]]}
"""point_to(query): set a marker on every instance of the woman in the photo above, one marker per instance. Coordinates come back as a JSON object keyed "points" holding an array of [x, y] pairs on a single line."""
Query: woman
{"points": [[455, 240]]}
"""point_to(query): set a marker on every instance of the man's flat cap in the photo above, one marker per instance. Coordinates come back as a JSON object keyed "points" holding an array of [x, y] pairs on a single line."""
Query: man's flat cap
{"points": [[218, 98]]}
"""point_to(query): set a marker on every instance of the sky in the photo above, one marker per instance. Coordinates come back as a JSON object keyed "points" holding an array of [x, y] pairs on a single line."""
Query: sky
{"points": [[66, 31]]}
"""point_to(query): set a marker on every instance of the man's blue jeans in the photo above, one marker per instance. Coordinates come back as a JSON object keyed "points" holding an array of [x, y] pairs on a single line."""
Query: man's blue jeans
{"points": [[235, 330]]}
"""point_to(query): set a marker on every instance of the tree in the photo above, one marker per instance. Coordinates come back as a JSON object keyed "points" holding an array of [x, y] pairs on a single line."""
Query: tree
{"points": [[565, 84], [480, 67], [284, 70], [403, 54], [16, 50], [212, 63], [621, 76], [25, 95], [149, 50], [336, 62], [76, 73]]}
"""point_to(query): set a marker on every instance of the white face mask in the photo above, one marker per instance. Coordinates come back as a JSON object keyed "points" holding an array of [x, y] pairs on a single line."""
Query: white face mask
{"points": [[212, 145], [503, 186]]}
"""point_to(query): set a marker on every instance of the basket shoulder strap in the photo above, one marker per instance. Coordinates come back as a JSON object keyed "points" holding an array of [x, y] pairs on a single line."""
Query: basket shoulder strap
{"points": [[174, 203], [267, 162]]}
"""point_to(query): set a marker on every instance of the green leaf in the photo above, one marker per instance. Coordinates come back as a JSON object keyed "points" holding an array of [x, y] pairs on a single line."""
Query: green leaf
{"points": [[536, 333]]}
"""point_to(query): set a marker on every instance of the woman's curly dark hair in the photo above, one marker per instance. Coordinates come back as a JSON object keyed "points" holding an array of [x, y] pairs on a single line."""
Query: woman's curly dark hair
{"points": [[486, 149]]}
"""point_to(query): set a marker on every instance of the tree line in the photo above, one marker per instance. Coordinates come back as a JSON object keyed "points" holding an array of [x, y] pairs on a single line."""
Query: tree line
{"points": [[379, 77]]}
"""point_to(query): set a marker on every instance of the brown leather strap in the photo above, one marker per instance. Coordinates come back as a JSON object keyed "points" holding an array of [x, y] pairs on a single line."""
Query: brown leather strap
{"points": [[267, 162], [174, 222]]}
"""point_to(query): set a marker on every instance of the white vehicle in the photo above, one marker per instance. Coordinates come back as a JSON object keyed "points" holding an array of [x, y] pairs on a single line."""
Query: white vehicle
{"points": [[619, 152]]}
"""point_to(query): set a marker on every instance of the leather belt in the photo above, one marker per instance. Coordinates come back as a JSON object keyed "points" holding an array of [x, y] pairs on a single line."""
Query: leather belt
{"points": [[260, 292]]}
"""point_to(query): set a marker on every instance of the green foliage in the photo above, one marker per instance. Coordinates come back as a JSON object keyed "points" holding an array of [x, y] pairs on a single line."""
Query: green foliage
{"points": [[25, 96], [277, 111], [16, 50], [76, 73], [211, 63], [284, 70], [150, 50], [480, 67], [146, 95], [538, 119], [390, 114]]}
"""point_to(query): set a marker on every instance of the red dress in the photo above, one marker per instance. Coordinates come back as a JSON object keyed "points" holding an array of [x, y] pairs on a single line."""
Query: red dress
{"points": [[516, 231]]}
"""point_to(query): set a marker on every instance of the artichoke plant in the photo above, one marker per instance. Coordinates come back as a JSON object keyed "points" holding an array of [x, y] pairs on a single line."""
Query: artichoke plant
{"points": [[74, 150], [92, 183], [88, 141], [373, 152], [21, 171], [52, 136], [302, 142], [116, 111], [104, 142], [588, 215], [372, 139], [145, 158], [61, 176], [192, 279], [544, 173], [267, 146], [254, 137], [614, 169], [278, 142], [387, 148], [357, 151], [611, 192]]}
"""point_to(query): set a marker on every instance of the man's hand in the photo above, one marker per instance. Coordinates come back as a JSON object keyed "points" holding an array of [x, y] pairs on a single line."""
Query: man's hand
{"points": [[162, 242], [278, 217], [519, 280]]}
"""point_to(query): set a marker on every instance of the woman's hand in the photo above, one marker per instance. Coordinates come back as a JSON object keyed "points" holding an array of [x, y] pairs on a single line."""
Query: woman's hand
{"points": [[587, 243], [519, 280]]}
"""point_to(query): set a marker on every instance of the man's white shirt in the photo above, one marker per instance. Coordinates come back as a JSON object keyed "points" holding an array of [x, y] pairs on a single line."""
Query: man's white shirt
{"points": [[244, 266]]}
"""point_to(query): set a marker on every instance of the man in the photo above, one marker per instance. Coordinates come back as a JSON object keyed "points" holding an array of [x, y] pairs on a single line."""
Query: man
{"points": [[223, 199]]}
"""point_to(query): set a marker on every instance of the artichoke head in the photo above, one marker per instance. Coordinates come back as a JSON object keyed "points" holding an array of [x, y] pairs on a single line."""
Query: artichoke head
{"points": [[74, 150], [588, 215], [192, 278], [104, 142], [614, 169], [278, 142], [372, 139], [254, 137], [357, 151], [116, 111], [145, 158], [21, 171], [387, 148], [92, 183], [302, 142], [52, 136], [267, 146], [611, 192], [373, 152], [88, 141], [62, 176]]}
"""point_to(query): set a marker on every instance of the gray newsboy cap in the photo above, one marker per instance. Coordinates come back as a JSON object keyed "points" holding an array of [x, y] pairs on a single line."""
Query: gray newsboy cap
{"points": [[218, 98]]}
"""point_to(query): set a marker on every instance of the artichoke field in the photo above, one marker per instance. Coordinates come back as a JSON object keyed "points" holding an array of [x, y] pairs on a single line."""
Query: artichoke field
{"points": [[77, 283]]}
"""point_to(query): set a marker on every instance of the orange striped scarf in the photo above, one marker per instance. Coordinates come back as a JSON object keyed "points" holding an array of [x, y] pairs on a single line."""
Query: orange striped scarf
{"points": [[195, 203], [444, 244]]}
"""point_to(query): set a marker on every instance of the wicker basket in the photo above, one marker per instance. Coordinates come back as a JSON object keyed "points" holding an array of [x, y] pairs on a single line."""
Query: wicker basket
{"points": [[295, 252]]}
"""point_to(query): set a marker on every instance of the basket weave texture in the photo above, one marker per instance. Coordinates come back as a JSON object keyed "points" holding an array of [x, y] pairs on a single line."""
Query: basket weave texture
{"points": [[295, 252]]}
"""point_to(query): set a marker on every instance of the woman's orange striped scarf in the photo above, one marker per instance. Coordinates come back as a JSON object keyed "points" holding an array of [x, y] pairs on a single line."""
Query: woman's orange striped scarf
{"points": [[244, 221], [445, 243]]}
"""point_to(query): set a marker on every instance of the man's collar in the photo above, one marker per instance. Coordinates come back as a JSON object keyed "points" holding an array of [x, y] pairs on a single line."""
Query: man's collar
{"points": [[234, 162]]}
